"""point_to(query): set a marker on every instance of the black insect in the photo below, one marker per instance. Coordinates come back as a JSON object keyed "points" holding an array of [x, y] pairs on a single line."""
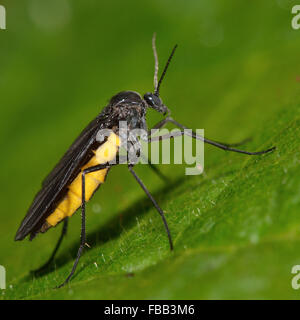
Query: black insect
{"points": [[85, 165]]}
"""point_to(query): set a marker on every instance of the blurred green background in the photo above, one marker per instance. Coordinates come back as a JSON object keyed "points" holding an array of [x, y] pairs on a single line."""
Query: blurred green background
{"points": [[236, 74]]}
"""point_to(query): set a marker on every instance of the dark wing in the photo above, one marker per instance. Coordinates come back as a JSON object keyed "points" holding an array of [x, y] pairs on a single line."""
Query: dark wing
{"points": [[62, 174]]}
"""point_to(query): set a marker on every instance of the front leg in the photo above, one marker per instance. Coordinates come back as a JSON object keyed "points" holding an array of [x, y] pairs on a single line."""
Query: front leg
{"points": [[226, 147]]}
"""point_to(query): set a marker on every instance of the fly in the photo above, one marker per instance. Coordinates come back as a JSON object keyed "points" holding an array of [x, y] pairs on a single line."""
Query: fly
{"points": [[85, 165]]}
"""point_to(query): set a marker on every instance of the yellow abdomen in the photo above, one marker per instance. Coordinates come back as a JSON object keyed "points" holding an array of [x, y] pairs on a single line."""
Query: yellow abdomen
{"points": [[72, 201]]}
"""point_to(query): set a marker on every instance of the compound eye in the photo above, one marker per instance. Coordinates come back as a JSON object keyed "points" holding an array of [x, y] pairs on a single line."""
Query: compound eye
{"points": [[152, 99], [148, 99]]}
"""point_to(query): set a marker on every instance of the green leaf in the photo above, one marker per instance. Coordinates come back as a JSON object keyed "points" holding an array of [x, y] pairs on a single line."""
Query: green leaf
{"points": [[236, 228]]}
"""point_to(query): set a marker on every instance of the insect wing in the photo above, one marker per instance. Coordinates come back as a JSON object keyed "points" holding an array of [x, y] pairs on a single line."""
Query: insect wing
{"points": [[61, 175]]}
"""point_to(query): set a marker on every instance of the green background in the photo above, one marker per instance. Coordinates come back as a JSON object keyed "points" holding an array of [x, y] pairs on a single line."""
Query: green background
{"points": [[236, 74]]}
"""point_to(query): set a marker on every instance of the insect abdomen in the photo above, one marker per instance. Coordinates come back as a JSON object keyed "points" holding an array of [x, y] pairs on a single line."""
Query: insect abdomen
{"points": [[72, 201]]}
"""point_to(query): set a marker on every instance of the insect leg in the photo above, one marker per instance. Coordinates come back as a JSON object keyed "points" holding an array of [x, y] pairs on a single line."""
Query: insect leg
{"points": [[163, 122], [47, 264], [225, 147], [236, 144], [159, 125], [154, 203], [83, 233]]}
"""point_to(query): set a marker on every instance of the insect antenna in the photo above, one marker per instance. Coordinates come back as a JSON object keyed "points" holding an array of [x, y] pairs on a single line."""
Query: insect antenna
{"points": [[156, 92], [156, 60]]}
